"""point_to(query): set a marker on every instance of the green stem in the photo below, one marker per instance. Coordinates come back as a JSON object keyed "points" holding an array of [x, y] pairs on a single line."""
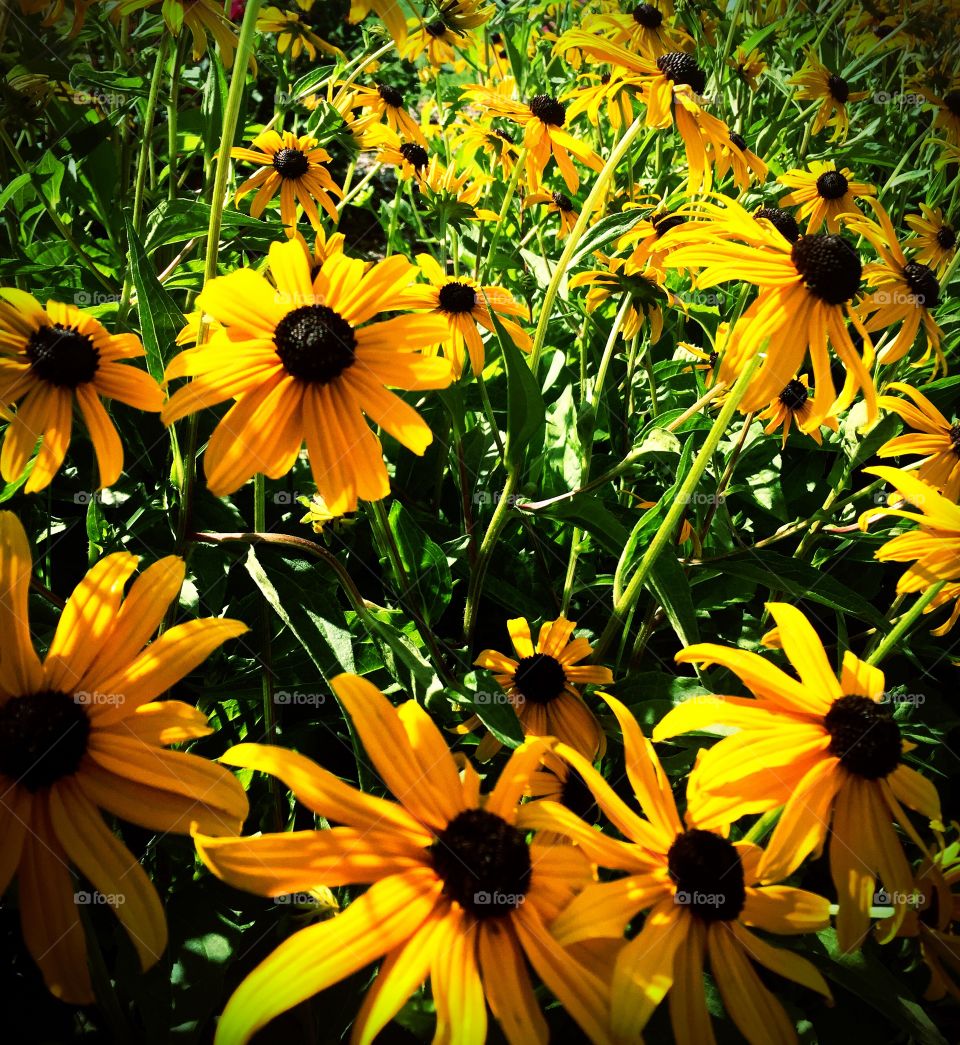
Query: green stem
{"points": [[146, 141], [477, 576], [904, 624], [266, 662], [576, 234], [505, 206], [394, 214], [667, 527]]}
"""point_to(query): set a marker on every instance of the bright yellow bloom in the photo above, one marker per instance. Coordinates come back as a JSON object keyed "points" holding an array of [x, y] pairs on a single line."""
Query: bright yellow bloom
{"points": [[51, 358], [933, 437], [749, 67], [199, 16], [818, 83], [704, 894], [792, 406], [457, 893], [823, 194], [824, 747], [294, 36], [304, 363], [82, 732], [642, 284], [934, 238], [558, 203]]}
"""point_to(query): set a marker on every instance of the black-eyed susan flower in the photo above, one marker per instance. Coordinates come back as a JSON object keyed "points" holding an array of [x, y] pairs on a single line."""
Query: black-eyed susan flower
{"points": [[410, 158], [818, 83], [468, 137], [452, 195], [934, 238], [384, 104], [645, 28], [645, 237], [324, 246], [933, 437], [51, 358], [82, 731], [465, 306], [737, 156], [824, 747], [457, 894], [902, 292], [792, 407], [542, 120], [782, 220], [294, 165], [440, 37], [304, 363], [749, 66], [644, 286], [390, 13], [541, 683], [704, 895], [823, 194], [803, 304], [293, 35], [948, 111], [199, 16], [558, 203], [615, 95], [933, 549], [934, 925]]}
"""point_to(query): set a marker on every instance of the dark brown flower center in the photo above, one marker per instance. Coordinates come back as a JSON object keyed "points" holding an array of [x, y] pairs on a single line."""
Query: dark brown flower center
{"points": [[864, 736], [708, 874], [539, 678], [415, 155], [831, 185], [794, 395], [829, 267], [954, 436], [923, 284], [62, 356], [548, 110], [43, 737], [436, 29], [838, 87], [952, 101], [663, 223], [290, 163], [647, 16], [315, 343], [484, 863], [562, 202], [946, 237], [738, 140], [782, 220], [457, 297], [390, 95], [682, 68], [713, 357]]}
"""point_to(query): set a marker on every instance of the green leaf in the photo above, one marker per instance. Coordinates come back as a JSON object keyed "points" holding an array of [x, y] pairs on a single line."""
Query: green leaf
{"points": [[21, 181], [590, 514], [606, 229], [491, 705], [160, 317], [175, 221], [424, 563], [669, 584]]}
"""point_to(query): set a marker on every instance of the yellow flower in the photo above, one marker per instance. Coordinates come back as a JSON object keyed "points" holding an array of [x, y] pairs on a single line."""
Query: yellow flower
{"points": [[465, 306], [748, 67], [818, 83], [51, 358], [457, 893], [704, 893], [792, 406], [643, 29], [292, 35], [823, 194], [199, 16], [384, 104], [294, 165], [541, 684], [643, 285], [303, 362], [934, 548], [933, 437], [934, 238], [558, 203], [737, 156], [825, 748], [82, 732]]}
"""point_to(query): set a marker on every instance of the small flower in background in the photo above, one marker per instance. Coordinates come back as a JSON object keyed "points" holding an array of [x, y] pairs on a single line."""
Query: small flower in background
{"points": [[384, 104], [704, 895], [748, 67], [792, 407], [644, 285], [933, 437], [542, 120], [199, 16], [615, 95], [934, 238], [83, 732], [466, 306], [51, 358], [645, 29], [933, 549], [737, 156], [441, 37], [390, 12], [293, 36], [824, 747], [457, 894], [823, 194], [294, 166], [902, 291], [558, 203], [818, 83], [410, 158], [541, 682], [467, 137], [948, 111], [304, 363]]}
